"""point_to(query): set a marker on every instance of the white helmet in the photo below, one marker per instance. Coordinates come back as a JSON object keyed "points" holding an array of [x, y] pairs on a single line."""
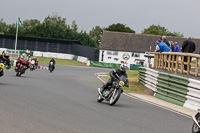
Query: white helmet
{"points": [[123, 67]]}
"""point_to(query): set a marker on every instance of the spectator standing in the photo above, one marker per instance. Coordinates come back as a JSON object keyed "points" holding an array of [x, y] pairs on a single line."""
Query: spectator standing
{"points": [[188, 46], [176, 47], [157, 47]]}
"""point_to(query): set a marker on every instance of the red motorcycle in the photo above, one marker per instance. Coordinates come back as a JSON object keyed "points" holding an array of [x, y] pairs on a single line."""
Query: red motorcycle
{"points": [[21, 66]]}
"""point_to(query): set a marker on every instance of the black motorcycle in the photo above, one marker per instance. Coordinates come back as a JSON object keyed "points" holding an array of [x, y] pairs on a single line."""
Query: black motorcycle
{"points": [[51, 67], [33, 65], [112, 93], [196, 125]]}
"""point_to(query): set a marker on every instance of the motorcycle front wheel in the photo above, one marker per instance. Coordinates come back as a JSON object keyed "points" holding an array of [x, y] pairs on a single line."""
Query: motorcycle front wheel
{"points": [[115, 97], [195, 128], [99, 98]]}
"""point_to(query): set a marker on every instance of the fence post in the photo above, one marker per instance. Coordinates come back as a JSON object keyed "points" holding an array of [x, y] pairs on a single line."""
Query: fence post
{"points": [[169, 59], [196, 70], [182, 63], [172, 69], [162, 61], [188, 65], [176, 69]]}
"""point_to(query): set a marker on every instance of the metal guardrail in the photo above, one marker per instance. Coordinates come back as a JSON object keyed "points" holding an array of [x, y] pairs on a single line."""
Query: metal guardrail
{"points": [[174, 62]]}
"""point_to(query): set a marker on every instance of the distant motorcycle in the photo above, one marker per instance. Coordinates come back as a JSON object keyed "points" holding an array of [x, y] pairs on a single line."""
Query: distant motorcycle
{"points": [[21, 67], [112, 93], [196, 125], [51, 67], [33, 65]]}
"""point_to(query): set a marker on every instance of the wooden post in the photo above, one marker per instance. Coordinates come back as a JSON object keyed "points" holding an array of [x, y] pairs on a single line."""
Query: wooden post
{"points": [[188, 65], [157, 55], [156, 61], [176, 69], [162, 61], [172, 64], [165, 59], [169, 62], [182, 63], [196, 70]]}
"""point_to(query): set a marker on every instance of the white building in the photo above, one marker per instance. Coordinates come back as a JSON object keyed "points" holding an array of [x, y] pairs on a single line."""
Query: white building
{"points": [[117, 47]]}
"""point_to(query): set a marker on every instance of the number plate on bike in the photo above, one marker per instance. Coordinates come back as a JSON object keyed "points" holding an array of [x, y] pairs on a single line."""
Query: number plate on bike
{"points": [[121, 83]]}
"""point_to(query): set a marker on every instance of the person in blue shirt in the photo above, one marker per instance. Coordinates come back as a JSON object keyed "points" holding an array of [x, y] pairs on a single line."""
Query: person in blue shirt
{"points": [[163, 46], [176, 47]]}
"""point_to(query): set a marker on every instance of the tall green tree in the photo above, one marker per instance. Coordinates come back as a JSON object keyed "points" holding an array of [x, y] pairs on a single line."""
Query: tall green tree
{"points": [[74, 26], [96, 34], [159, 30], [2, 26], [119, 28]]}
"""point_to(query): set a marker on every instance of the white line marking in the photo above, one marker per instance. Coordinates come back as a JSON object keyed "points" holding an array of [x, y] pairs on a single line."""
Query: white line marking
{"points": [[151, 102]]}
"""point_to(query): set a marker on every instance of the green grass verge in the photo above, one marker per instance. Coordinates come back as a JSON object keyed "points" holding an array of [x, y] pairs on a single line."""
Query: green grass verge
{"points": [[45, 60], [134, 85]]}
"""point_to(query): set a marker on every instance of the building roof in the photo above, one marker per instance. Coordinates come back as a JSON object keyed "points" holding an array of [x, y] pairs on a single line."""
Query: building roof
{"points": [[131, 42]]}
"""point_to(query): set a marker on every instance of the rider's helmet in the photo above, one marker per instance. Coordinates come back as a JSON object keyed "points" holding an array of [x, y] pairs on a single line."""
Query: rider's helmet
{"points": [[123, 67], [5, 55], [28, 52]]}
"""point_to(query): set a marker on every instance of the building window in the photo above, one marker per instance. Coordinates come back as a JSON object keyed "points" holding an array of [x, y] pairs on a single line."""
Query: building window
{"points": [[109, 53], [135, 54], [115, 53]]}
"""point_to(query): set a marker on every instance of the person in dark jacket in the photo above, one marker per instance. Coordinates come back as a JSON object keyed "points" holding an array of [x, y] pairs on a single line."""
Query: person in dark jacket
{"points": [[188, 46], [54, 63], [115, 74], [165, 41], [4, 58]]}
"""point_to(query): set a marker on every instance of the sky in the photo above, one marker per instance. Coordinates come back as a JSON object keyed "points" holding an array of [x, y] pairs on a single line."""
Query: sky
{"points": [[176, 15]]}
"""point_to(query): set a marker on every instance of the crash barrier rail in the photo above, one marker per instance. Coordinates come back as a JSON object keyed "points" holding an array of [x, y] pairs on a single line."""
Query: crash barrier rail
{"points": [[105, 65], [172, 88], [174, 62]]}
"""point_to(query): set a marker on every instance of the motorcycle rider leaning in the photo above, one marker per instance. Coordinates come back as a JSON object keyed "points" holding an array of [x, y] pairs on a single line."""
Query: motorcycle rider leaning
{"points": [[54, 62], [25, 56], [4, 58], [115, 74]]}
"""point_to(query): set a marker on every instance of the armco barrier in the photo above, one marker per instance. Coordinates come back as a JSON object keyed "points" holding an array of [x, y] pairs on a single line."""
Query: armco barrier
{"points": [[172, 88], [105, 65], [20, 51]]}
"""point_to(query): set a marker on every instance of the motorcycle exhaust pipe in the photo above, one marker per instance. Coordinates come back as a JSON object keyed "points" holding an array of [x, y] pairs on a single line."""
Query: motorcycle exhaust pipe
{"points": [[194, 119]]}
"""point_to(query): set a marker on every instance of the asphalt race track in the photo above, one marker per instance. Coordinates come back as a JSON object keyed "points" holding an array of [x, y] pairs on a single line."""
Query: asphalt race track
{"points": [[65, 102]]}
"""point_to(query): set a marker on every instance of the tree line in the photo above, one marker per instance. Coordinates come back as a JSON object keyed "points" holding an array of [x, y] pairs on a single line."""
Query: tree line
{"points": [[56, 27]]}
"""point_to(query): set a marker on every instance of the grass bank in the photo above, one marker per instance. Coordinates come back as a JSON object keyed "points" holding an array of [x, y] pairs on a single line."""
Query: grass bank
{"points": [[45, 60], [134, 85]]}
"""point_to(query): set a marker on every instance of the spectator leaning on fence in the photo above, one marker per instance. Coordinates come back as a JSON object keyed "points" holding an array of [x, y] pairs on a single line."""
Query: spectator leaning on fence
{"points": [[163, 46], [188, 47], [165, 41]]}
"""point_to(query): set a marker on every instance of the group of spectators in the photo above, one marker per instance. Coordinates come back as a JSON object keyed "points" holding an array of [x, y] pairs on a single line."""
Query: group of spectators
{"points": [[163, 45]]}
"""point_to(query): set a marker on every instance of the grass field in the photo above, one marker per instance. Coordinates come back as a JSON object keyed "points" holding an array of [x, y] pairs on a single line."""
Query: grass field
{"points": [[134, 85], [45, 60]]}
